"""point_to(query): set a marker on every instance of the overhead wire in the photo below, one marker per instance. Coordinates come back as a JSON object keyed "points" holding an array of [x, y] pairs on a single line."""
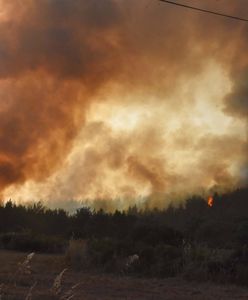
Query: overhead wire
{"points": [[204, 10]]}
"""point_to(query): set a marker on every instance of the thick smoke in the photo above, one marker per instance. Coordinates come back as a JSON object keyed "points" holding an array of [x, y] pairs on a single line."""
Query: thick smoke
{"points": [[237, 105], [54, 55], [121, 99]]}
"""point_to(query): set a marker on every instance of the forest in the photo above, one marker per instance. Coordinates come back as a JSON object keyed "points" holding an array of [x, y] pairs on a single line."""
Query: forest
{"points": [[195, 239]]}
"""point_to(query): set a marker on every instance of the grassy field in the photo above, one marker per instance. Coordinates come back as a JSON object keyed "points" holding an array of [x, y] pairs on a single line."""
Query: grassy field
{"points": [[45, 268]]}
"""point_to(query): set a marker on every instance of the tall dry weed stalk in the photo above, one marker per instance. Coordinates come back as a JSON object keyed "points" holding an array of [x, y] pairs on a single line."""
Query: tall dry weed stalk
{"points": [[30, 292], [57, 284], [57, 288], [25, 267], [70, 294]]}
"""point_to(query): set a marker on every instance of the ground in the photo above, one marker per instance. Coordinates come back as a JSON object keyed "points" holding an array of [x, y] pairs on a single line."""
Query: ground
{"points": [[45, 268]]}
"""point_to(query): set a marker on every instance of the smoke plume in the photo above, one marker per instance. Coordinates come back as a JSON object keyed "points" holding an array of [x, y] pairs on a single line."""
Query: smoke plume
{"points": [[121, 100]]}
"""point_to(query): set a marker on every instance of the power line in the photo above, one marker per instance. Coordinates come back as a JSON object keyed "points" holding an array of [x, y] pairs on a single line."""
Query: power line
{"points": [[205, 10]]}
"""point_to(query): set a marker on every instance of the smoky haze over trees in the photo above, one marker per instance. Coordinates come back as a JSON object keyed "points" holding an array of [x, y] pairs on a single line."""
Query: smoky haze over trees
{"points": [[196, 240], [228, 209]]}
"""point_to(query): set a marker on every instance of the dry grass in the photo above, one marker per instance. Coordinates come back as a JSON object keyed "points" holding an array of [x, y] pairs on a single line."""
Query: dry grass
{"points": [[46, 270], [57, 285], [24, 269]]}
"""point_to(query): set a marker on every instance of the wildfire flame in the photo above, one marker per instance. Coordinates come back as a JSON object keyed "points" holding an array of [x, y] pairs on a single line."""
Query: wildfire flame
{"points": [[210, 201]]}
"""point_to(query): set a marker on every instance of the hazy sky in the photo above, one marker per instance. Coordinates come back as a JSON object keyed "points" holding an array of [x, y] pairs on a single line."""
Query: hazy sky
{"points": [[121, 99]]}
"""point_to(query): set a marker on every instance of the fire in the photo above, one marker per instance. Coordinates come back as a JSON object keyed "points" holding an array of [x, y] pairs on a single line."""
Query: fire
{"points": [[210, 201]]}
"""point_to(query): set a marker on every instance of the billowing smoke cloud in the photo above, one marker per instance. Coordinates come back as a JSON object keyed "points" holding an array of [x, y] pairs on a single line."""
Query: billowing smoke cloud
{"points": [[54, 55], [120, 99], [237, 105], [237, 100]]}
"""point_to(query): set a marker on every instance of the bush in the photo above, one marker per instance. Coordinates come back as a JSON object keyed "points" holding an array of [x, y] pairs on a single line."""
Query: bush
{"points": [[203, 263], [154, 235], [29, 242], [101, 251], [77, 254], [169, 261], [242, 233]]}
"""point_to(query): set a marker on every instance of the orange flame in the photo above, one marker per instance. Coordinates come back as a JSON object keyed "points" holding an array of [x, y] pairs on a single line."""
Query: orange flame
{"points": [[210, 201]]}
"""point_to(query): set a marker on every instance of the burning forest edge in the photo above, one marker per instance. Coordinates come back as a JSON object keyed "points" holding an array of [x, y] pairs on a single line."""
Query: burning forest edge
{"points": [[203, 240], [137, 103]]}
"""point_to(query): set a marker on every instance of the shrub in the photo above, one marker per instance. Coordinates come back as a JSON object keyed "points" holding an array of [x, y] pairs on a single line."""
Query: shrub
{"points": [[101, 251], [169, 260], [154, 235], [29, 242], [77, 254]]}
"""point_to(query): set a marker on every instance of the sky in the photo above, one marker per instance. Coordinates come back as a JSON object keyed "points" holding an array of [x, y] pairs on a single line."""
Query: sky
{"points": [[118, 102]]}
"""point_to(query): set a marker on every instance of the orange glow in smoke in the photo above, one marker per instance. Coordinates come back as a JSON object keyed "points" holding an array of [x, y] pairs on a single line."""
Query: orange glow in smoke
{"points": [[210, 201]]}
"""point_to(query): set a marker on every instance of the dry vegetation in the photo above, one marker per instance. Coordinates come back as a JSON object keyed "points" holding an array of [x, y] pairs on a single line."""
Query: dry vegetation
{"points": [[45, 280], [118, 255]]}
